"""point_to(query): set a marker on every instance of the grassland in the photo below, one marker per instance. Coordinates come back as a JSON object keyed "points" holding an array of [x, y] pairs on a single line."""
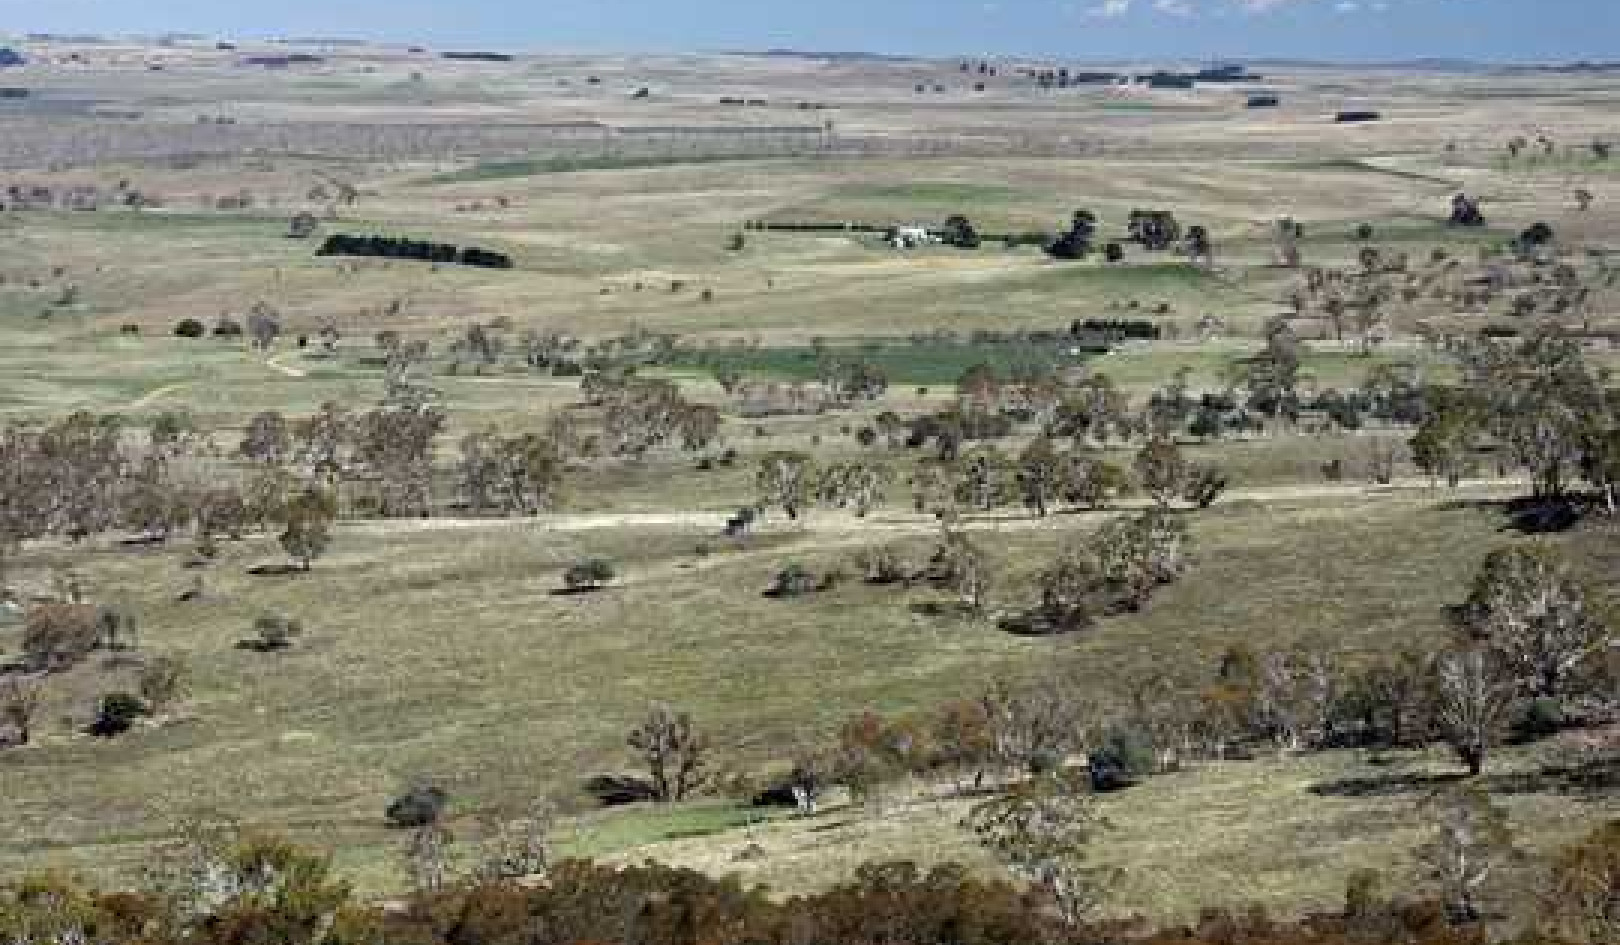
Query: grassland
{"points": [[458, 663], [438, 649]]}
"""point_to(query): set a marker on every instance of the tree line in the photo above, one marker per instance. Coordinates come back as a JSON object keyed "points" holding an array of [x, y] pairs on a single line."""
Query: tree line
{"points": [[388, 247]]}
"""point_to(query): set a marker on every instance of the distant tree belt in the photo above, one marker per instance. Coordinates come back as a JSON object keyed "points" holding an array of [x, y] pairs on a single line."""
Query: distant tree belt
{"points": [[1136, 329], [819, 227], [389, 247], [476, 56]]}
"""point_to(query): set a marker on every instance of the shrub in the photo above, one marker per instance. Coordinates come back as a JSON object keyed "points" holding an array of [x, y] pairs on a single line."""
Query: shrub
{"points": [[589, 575], [189, 328], [883, 566], [795, 580], [1124, 757], [418, 807], [163, 680], [116, 714], [1204, 485], [272, 633], [1536, 236], [227, 328], [739, 524], [1364, 232], [57, 636], [1539, 718]]}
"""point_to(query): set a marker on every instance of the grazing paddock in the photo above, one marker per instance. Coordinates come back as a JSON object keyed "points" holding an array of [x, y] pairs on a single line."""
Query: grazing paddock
{"points": [[442, 647]]}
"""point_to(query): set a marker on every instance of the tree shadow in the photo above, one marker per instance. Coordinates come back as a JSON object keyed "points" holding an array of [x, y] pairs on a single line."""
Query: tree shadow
{"points": [[617, 790], [943, 609], [1545, 516], [256, 645], [275, 570], [143, 541], [577, 591], [1387, 785], [1591, 779], [1039, 625]]}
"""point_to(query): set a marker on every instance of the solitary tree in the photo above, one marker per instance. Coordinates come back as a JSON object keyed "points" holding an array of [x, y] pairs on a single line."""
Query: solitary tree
{"points": [[1068, 589], [1473, 693], [263, 325], [19, 703], [1471, 844], [1527, 607], [307, 526], [1041, 475], [1288, 235], [1163, 471], [674, 751], [1138, 555], [784, 481], [855, 485], [1041, 831], [162, 681], [1444, 443], [964, 566]]}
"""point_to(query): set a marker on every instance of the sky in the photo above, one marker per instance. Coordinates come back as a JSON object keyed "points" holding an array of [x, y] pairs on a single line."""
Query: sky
{"points": [[1077, 30]]}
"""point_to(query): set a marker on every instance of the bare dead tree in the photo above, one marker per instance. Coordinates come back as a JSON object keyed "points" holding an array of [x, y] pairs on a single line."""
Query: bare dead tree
{"points": [[674, 751]]}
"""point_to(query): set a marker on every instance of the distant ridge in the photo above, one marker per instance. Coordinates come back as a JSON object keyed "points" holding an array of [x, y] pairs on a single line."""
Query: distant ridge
{"points": [[1570, 68], [824, 56], [1414, 65]]}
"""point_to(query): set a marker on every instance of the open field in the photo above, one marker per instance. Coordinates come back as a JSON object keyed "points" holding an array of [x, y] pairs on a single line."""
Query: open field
{"points": [[389, 687], [437, 647]]}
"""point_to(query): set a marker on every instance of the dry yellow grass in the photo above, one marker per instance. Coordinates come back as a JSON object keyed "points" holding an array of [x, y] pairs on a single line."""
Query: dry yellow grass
{"points": [[439, 651]]}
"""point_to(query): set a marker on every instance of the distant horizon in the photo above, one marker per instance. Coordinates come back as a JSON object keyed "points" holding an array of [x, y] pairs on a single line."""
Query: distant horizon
{"points": [[362, 41], [1330, 32]]}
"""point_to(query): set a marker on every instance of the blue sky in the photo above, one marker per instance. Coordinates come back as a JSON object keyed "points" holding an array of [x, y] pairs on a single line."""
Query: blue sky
{"points": [[1497, 30]]}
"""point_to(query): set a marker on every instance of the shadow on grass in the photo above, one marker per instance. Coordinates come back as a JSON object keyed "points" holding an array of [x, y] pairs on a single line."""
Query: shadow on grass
{"points": [[617, 790], [275, 570], [577, 591], [1591, 779], [1533, 515]]}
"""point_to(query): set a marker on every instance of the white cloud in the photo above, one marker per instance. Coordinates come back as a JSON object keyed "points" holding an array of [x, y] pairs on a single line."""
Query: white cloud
{"points": [[1110, 9]]}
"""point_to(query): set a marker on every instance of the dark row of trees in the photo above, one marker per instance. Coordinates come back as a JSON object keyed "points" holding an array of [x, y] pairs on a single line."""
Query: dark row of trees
{"points": [[390, 247]]}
